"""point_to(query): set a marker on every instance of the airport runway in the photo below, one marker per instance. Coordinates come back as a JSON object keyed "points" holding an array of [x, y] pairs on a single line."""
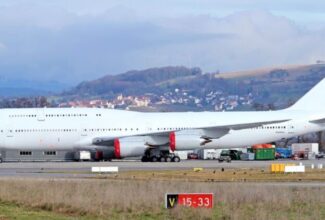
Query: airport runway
{"points": [[82, 169]]}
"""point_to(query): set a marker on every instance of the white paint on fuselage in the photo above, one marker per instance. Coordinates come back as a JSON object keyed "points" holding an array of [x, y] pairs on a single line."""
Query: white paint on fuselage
{"points": [[69, 128]]}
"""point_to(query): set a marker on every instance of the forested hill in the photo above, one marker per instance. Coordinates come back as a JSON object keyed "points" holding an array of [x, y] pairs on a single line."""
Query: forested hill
{"points": [[278, 85]]}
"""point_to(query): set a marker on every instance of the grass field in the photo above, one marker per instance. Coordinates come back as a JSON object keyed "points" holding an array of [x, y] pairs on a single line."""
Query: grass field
{"points": [[144, 199], [14, 211]]}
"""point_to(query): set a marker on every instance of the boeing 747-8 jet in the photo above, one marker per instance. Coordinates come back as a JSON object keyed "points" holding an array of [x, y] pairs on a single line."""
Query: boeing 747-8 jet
{"points": [[156, 135]]}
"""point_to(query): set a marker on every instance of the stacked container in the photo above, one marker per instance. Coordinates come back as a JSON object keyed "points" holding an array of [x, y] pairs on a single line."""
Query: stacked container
{"points": [[264, 151]]}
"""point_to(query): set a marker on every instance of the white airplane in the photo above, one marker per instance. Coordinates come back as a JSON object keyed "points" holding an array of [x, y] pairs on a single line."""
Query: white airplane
{"points": [[156, 135]]}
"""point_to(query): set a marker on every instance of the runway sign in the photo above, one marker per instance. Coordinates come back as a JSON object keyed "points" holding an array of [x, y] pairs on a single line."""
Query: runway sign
{"points": [[294, 169], [104, 169], [194, 200]]}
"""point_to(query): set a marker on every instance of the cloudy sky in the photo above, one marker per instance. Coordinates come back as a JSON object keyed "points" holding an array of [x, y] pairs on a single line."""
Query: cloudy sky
{"points": [[74, 40]]}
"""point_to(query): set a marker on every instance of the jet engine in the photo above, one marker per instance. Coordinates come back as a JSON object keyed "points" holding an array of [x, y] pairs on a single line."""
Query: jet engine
{"points": [[180, 141], [129, 147]]}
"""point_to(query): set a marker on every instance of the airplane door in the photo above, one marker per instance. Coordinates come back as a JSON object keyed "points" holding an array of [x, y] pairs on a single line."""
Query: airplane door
{"points": [[148, 127], [9, 134], [290, 129], [83, 130], [9, 131], [40, 114]]}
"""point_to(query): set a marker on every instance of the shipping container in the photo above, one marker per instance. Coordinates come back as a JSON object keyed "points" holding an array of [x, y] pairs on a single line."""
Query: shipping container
{"points": [[264, 153], [283, 152], [258, 146]]}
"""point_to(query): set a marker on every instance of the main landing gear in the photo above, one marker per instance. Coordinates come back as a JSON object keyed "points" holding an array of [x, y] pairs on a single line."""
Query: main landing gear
{"points": [[152, 155]]}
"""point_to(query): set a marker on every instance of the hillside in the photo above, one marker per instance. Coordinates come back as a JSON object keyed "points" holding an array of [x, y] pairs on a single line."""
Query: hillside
{"points": [[133, 82], [278, 85], [262, 71]]}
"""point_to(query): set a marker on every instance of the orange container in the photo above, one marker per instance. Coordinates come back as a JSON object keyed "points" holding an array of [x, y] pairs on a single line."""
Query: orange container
{"points": [[257, 146], [267, 145]]}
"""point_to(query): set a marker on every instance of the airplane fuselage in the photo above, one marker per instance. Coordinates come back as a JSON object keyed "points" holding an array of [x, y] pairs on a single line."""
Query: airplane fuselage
{"points": [[76, 128]]}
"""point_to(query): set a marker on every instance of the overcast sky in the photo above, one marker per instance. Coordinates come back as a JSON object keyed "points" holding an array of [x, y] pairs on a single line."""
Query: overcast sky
{"points": [[75, 40]]}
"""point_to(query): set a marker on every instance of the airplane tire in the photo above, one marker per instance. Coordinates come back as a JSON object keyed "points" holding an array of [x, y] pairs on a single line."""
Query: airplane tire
{"points": [[144, 159], [162, 159], [154, 159], [168, 159], [176, 159]]}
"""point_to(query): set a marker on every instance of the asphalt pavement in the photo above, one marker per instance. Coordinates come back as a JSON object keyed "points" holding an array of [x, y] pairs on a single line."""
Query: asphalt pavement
{"points": [[83, 169]]}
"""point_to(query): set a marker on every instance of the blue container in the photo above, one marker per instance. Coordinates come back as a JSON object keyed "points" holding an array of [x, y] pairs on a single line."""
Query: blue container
{"points": [[284, 152]]}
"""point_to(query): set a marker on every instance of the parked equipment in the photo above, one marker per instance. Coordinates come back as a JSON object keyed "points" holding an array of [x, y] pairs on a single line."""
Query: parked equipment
{"points": [[247, 156], [305, 150], [82, 155], [182, 154], [283, 152], [98, 155], [224, 158], [193, 156], [320, 155], [264, 153], [228, 155], [234, 154], [209, 154]]}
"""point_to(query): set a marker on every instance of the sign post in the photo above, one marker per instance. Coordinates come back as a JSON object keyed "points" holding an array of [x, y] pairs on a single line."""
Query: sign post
{"points": [[194, 200]]}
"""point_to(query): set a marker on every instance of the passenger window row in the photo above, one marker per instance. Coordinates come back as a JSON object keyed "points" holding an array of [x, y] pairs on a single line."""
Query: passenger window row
{"points": [[271, 127], [66, 115], [69, 130], [41, 130], [89, 130], [112, 129], [51, 115], [20, 116], [172, 129]]}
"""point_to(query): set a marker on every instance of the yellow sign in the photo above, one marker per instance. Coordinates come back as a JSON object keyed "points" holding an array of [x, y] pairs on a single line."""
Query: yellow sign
{"points": [[279, 167]]}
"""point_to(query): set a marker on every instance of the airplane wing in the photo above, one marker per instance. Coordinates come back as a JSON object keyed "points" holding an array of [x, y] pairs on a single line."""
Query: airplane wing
{"points": [[246, 125], [209, 132], [215, 132], [318, 121]]}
